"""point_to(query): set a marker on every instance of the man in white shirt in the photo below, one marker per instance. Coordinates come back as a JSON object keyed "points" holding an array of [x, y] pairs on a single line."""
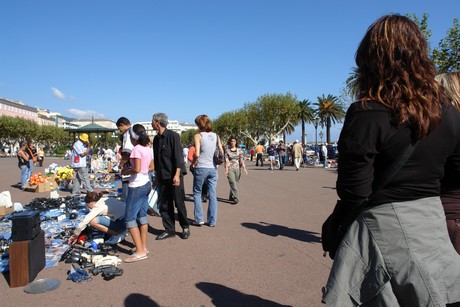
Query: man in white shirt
{"points": [[324, 151], [80, 150]]}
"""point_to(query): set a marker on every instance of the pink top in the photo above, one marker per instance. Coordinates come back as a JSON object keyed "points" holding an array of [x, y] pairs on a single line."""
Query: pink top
{"points": [[145, 154]]}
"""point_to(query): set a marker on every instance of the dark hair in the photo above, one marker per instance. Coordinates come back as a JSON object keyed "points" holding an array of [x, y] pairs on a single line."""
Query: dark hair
{"points": [[394, 70], [92, 197], [144, 139], [232, 138], [22, 143], [123, 121], [204, 123]]}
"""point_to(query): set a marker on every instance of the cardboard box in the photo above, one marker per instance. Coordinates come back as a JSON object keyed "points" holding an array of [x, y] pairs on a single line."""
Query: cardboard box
{"points": [[43, 187], [30, 187], [38, 188], [5, 210], [51, 177]]}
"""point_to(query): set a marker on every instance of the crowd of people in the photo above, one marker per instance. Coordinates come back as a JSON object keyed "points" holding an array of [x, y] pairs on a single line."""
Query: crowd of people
{"points": [[295, 154]]}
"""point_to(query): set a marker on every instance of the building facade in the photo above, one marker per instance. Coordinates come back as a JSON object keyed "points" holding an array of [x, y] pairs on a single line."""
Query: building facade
{"points": [[18, 109]]}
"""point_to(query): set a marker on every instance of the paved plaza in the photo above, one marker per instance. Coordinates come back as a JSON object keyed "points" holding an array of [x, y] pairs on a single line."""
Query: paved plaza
{"points": [[264, 251]]}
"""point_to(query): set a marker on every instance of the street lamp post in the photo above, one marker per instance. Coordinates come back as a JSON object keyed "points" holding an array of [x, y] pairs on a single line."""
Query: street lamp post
{"points": [[316, 122], [321, 136]]}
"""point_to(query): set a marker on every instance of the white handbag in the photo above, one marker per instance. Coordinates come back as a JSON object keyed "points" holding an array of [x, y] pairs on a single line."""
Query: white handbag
{"points": [[153, 200]]}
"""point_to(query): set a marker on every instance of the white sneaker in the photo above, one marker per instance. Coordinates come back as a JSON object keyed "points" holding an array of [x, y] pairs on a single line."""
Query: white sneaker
{"points": [[117, 238]]}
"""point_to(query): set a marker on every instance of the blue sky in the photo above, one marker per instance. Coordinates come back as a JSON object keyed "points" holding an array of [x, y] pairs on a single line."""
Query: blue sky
{"points": [[185, 58]]}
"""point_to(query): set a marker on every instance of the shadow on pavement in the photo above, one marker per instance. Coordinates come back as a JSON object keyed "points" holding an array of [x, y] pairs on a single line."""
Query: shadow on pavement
{"points": [[137, 299], [224, 296], [278, 230]]}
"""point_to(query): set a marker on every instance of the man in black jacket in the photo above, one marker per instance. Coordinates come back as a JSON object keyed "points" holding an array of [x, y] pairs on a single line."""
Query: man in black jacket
{"points": [[169, 174]]}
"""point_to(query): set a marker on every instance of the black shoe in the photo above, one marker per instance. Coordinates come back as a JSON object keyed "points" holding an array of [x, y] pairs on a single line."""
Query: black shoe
{"points": [[195, 223], [165, 235], [185, 234], [235, 201]]}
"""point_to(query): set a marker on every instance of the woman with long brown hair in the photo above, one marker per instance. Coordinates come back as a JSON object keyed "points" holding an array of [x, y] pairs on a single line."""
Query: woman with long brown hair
{"points": [[397, 252]]}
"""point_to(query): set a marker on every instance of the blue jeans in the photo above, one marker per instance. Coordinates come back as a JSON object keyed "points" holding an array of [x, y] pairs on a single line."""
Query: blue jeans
{"points": [[118, 225], [282, 161], [30, 169], [208, 175], [24, 175], [137, 204]]}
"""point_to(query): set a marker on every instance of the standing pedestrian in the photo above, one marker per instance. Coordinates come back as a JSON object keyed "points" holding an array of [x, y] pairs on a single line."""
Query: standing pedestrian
{"points": [[23, 163], [260, 149], [281, 149], [80, 150], [41, 156], [205, 170], [123, 125], [169, 169], [139, 186], [32, 152], [450, 192], [397, 251], [324, 154]]}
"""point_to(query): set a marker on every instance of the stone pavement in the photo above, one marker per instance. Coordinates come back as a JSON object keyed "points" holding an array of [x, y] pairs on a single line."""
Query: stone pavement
{"points": [[264, 251]]}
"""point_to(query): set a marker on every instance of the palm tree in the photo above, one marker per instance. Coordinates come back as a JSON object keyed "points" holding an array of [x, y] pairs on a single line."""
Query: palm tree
{"points": [[330, 111], [352, 83], [289, 129], [306, 115]]}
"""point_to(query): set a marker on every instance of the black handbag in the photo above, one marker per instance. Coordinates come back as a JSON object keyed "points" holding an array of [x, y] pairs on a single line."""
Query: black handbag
{"points": [[336, 225], [219, 157]]}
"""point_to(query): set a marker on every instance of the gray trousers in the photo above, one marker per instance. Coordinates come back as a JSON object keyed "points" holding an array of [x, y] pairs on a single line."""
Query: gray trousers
{"points": [[81, 176], [233, 179]]}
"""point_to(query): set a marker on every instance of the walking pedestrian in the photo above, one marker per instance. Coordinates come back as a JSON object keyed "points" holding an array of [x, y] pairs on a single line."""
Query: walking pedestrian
{"points": [[234, 163], [297, 154]]}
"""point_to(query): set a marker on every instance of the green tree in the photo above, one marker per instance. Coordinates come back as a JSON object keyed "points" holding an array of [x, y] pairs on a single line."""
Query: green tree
{"points": [[186, 137], [272, 113], [330, 111], [306, 114], [236, 123], [447, 55], [351, 84], [423, 25]]}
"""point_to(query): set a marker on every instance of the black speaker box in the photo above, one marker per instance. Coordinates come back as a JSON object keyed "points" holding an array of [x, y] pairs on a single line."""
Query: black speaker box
{"points": [[25, 225], [27, 259]]}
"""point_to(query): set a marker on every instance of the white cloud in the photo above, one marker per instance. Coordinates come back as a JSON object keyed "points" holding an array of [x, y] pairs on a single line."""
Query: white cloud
{"points": [[58, 94], [85, 113]]}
